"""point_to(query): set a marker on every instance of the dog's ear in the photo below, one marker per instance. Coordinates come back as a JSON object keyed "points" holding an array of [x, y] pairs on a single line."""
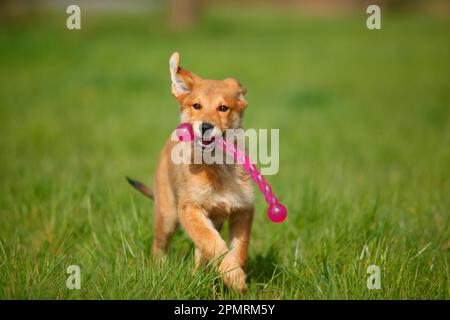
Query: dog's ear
{"points": [[240, 92], [182, 80]]}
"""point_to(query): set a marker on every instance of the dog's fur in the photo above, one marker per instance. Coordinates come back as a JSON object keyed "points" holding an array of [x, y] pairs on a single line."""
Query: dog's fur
{"points": [[200, 196]]}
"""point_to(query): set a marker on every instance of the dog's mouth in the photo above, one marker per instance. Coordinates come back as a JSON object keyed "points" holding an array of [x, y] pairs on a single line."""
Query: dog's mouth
{"points": [[206, 141]]}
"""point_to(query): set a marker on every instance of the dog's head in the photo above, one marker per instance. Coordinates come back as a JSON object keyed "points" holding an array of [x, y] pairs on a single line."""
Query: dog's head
{"points": [[211, 106]]}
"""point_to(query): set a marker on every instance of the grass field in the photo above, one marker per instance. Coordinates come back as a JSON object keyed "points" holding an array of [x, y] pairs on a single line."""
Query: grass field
{"points": [[364, 153]]}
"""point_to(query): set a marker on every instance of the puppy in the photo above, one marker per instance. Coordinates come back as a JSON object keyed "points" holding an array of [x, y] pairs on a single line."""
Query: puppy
{"points": [[201, 197]]}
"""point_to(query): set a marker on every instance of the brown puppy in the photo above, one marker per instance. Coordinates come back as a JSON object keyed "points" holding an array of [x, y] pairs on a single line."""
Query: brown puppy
{"points": [[202, 196]]}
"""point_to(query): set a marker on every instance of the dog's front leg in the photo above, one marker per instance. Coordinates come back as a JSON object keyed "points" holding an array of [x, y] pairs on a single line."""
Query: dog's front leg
{"points": [[199, 260], [208, 240], [240, 227]]}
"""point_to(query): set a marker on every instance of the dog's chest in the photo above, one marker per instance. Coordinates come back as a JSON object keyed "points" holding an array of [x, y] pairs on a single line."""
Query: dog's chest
{"points": [[230, 191], [230, 200]]}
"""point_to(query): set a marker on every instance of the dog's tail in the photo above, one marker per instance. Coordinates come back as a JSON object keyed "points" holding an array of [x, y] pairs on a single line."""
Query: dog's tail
{"points": [[146, 191]]}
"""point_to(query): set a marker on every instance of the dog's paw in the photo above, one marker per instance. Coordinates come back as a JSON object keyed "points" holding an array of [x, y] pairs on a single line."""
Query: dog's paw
{"points": [[233, 275]]}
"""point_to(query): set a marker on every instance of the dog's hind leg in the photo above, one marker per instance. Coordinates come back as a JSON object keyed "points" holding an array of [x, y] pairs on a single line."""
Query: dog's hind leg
{"points": [[165, 222], [165, 219]]}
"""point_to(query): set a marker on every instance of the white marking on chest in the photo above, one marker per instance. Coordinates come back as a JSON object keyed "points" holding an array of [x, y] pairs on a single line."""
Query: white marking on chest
{"points": [[233, 198]]}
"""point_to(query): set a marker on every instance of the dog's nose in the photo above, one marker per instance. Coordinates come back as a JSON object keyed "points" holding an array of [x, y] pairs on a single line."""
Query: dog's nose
{"points": [[206, 126]]}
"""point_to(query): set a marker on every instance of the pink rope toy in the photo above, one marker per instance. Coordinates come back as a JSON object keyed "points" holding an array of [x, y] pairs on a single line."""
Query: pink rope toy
{"points": [[276, 212]]}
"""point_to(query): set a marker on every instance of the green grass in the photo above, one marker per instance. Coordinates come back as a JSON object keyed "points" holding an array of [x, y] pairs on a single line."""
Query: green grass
{"points": [[364, 153]]}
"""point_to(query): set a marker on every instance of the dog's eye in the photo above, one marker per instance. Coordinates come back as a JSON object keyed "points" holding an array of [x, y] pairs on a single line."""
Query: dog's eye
{"points": [[197, 106], [223, 108]]}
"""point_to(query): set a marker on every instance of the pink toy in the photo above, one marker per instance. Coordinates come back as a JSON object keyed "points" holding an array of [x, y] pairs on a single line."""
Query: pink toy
{"points": [[276, 212]]}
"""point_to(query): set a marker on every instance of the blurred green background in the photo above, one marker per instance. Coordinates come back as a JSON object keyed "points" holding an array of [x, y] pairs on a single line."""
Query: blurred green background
{"points": [[364, 151]]}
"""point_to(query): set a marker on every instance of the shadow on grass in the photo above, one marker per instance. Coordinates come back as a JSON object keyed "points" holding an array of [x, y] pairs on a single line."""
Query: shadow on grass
{"points": [[262, 267]]}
